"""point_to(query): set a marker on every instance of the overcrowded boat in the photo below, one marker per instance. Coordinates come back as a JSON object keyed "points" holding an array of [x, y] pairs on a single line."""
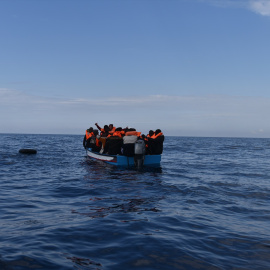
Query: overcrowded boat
{"points": [[124, 147]]}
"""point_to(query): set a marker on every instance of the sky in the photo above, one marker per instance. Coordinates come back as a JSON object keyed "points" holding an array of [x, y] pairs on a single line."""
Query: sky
{"points": [[187, 67]]}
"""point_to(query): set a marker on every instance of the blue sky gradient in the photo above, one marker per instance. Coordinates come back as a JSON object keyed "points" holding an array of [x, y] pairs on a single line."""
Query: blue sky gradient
{"points": [[190, 68]]}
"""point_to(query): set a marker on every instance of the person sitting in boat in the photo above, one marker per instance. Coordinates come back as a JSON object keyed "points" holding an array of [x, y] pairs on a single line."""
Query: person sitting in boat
{"points": [[95, 144], [155, 143], [86, 140], [129, 140], [114, 143]]}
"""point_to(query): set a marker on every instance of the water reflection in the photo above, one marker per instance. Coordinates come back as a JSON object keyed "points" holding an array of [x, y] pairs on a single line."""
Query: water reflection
{"points": [[119, 190], [100, 170], [84, 262]]}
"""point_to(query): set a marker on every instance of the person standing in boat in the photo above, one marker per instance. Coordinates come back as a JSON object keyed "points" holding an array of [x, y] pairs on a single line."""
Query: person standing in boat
{"points": [[104, 132], [129, 140], [155, 143], [150, 134], [111, 128], [114, 142]]}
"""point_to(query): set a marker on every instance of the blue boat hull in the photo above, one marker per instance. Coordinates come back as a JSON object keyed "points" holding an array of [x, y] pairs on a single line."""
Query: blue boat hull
{"points": [[119, 160]]}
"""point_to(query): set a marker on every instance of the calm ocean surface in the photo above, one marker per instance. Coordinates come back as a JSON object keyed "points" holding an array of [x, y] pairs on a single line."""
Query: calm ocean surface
{"points": [[206, 207]]}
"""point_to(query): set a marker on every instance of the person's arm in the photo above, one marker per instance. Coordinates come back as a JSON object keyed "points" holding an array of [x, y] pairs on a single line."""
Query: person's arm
{"points": [[98, 126]]}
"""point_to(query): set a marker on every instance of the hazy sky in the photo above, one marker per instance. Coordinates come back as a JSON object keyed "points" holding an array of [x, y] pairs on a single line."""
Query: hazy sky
{"points": [[188, 67]]}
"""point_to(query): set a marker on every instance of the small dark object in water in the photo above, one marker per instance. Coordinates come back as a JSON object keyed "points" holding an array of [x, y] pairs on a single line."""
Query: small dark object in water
{"points": [[28, 151]]}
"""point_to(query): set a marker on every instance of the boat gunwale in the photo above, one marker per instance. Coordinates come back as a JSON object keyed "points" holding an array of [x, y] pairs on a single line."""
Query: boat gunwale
{"points": [[115, 160]]}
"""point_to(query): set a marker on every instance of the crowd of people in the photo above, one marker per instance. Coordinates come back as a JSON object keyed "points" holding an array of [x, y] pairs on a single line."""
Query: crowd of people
{"points": [[121, 141]]}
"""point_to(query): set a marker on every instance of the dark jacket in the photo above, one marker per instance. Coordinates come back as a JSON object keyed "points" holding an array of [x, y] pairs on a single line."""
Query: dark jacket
{"points": [[129, 145], [113, 145], [91, 143], [155, 146], [86, 143], [128, 149]]}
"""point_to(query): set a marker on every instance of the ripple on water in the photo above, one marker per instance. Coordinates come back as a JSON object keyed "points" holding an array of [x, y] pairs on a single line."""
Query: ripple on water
{"points": [[206, 207]]}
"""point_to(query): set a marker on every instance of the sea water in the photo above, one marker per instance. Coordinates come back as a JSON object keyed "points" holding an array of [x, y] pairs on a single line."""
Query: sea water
{"points": [[206, 207]]}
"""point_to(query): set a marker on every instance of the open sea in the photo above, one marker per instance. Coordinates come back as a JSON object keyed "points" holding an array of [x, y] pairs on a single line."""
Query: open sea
{"points": [[206, 207]]}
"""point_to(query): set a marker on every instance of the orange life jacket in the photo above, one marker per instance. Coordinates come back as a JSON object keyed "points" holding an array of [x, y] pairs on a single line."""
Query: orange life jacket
{"points": [[130, 133], [117, 134], [97, 142], [146, 139], [112, 131], [88, 134], [102, 132], [155, 136]]}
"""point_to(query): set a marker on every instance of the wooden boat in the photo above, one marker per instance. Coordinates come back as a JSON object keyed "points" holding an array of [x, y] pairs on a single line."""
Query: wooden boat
{"points": [[120, 160]]}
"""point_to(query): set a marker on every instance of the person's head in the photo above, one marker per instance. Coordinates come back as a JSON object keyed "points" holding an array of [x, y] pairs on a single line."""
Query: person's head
{"points": [[90, 129], [110, 126], [106, 128], [151, 132], [157, 131], [119, 129]]}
